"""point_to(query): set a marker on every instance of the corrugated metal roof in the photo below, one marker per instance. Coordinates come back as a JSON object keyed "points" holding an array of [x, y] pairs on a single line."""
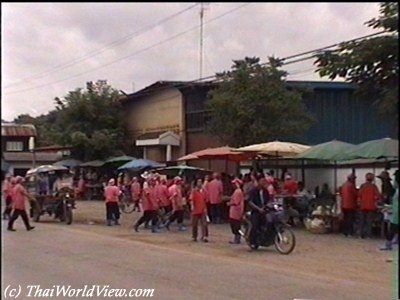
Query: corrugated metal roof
{"points": [[28, 156], [18, 130]]}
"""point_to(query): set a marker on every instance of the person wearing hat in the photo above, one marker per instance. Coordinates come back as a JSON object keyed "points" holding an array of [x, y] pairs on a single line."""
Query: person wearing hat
{"points": [[368, 196], [175, 195], [199, 211], [236, 210], [349, 194], [394, 224], [111, 195], [8, 185], [387, 189], [19, 197]]}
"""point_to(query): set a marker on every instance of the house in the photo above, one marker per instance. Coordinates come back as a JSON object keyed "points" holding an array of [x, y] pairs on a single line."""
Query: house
{"points": [[18, 148], [177, 109]]}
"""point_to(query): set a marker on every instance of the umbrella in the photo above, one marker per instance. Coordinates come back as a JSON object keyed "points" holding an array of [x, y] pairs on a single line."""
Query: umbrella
{"points": [[93, 163], [330, 151], [226, 153], [276, 148], [69, 163], [46, 168], [386, 148], [123, 158], [141, 164], [182, 170]]}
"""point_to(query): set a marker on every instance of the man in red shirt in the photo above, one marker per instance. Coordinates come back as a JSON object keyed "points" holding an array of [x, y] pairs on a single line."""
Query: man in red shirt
{"points": [[369, 196], [111, 195], [199, 211], [349, 194], [290, 188], [175, 195], [136, 191], [150, 206], [214, 193], [19, 196]]}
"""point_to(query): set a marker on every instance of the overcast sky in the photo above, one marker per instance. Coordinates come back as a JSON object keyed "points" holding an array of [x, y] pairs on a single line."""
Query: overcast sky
{"points": [[49, 49]]}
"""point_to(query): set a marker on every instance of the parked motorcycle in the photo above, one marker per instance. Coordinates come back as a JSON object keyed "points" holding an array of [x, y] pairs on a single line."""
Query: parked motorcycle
{"points": [[274, 232]]}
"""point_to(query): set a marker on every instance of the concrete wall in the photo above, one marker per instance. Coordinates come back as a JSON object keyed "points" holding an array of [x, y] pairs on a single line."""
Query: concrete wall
{"points": [[155, 112]]}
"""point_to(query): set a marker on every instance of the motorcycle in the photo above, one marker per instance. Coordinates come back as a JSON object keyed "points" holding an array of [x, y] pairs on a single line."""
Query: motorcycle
{"points": [[274, 232]]}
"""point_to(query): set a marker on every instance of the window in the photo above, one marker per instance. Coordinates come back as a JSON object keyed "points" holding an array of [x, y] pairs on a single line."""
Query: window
{"points": [[14, 146]]}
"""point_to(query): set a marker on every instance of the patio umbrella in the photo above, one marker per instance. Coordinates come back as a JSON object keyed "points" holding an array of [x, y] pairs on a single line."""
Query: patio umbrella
{"points": [[182, 170], [69, 163], [115, 162], [385, 148], [224, 153], [276, 148], [93, 164], [140, 164], [329, 151], [46, 168]]}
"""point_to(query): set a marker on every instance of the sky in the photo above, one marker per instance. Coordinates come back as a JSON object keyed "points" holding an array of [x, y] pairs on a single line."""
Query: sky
{"points": [[49, 49]]}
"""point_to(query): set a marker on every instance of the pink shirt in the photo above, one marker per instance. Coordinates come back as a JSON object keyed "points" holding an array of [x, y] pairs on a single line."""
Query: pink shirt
{"points": [[236, 209], [18, 197], [176, 197], [111, 193], [135, 191], [149, 199], [214, 191], [162, 195]]}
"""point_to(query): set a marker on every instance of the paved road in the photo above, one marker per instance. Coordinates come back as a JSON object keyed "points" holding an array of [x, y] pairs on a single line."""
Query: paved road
{"points": [[55, 254]]}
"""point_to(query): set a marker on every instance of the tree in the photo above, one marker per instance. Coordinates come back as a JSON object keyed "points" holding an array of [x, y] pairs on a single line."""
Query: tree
{"points": [[370, 63], [91, 121], [252, 104]]}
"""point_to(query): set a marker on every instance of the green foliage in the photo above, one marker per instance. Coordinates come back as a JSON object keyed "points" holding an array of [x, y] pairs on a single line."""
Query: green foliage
{"points": [[252, 104], [89, 120], [370, 63]]}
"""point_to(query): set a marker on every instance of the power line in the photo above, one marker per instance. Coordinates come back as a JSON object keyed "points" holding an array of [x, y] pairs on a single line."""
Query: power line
{"points": [[285, 61], [100, 50], [128, 56]]}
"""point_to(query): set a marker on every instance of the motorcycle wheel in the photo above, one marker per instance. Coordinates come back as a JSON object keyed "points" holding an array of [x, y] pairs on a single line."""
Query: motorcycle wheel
{"points": [[285, 241], [68, 215]]}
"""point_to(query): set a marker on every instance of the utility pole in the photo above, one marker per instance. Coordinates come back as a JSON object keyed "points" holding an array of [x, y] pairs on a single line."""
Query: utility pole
{"points": [[202, 9]]}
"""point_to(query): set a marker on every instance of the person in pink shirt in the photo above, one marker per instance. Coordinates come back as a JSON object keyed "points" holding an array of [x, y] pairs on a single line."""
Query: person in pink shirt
{"points": [[150, 206], [19, 196], [175, 195], [164, 201], [8, 185], [236, 210], [214, 191], [199, 211], [111, 195], [271, 188], [136, 191]]}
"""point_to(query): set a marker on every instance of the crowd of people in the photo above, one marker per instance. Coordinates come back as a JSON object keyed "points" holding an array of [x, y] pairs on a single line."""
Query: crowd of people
{"points": [[163, 201]]}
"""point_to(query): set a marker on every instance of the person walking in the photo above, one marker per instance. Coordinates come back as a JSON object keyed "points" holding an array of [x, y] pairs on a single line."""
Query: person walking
{"points": [[136, 191], [199, 211], [163, 200], [8, 185], [111, 195], [150, 206], [19, 196], [394, 224], [175, 195], [348, 194], [368, 196], [236, 210]]}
